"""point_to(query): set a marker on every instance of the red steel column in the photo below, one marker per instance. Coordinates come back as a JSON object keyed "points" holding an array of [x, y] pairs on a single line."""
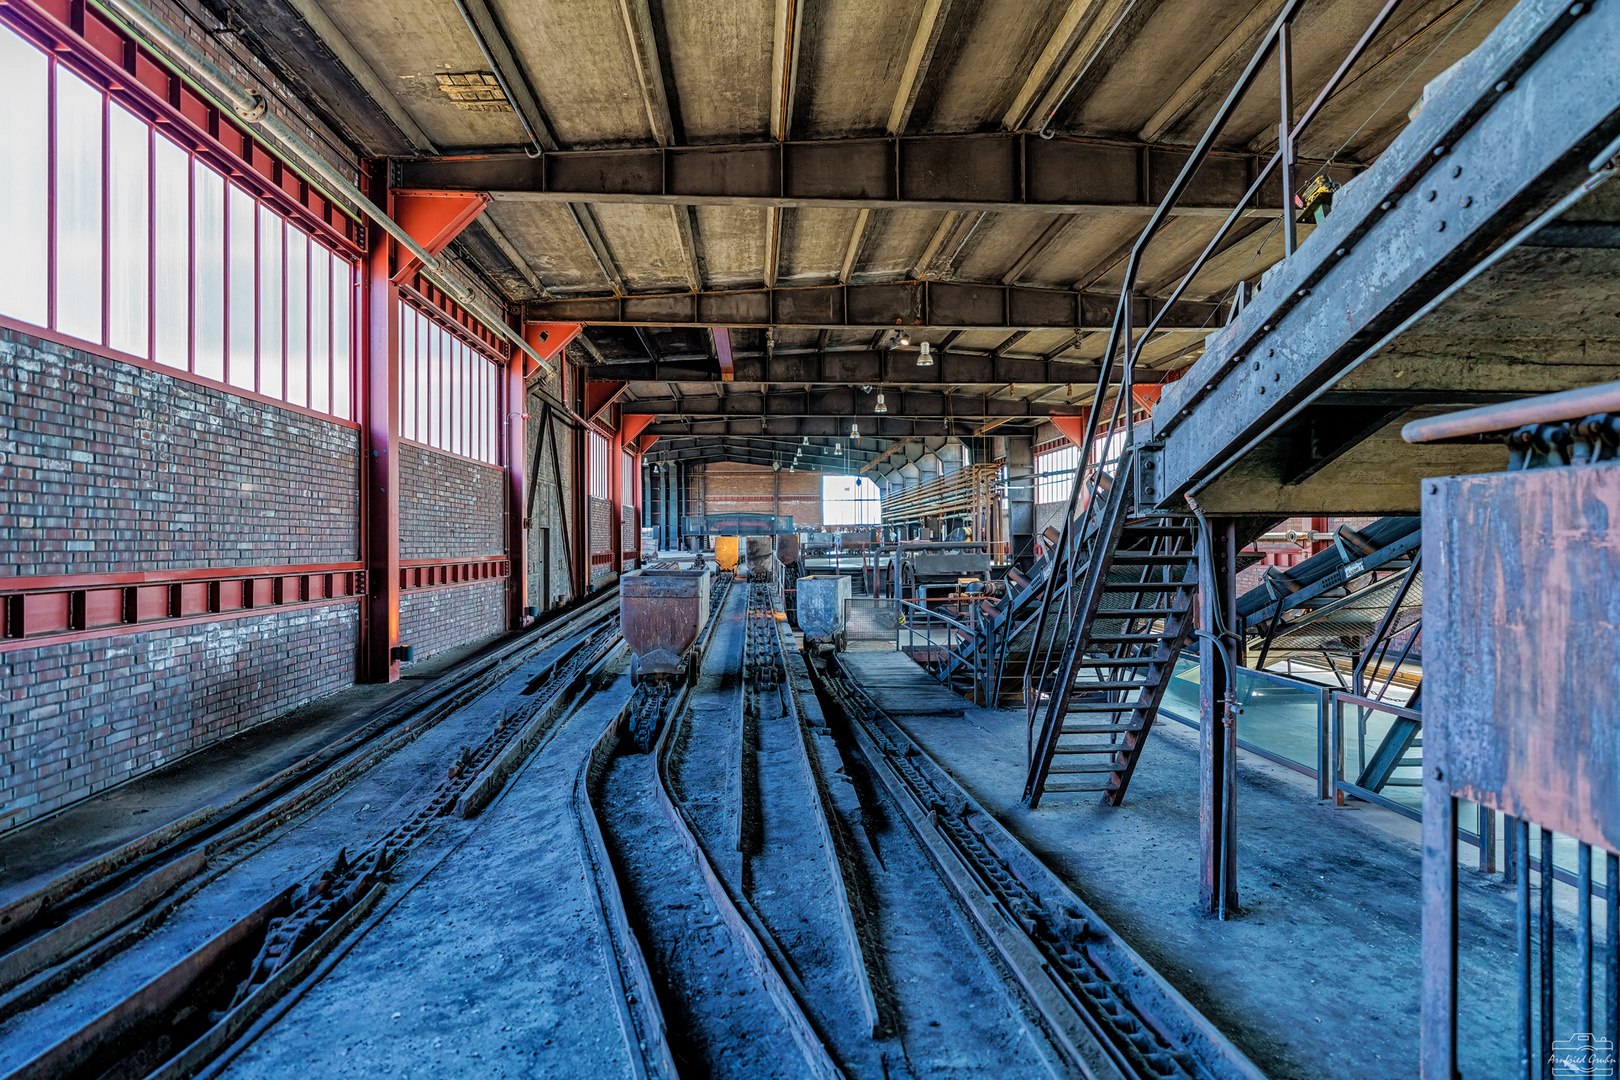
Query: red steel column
{"points": [[517, 552], [379, 416]]}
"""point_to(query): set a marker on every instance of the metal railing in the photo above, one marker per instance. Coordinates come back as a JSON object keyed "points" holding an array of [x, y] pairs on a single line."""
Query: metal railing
{"points": [[953, 637], [1366, 708]]}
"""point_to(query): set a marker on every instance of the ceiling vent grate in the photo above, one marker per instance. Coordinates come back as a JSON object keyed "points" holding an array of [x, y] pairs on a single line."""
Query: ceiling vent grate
{"points": [[474, 91]]}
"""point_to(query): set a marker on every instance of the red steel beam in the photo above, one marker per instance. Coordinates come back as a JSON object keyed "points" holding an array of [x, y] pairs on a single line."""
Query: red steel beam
{"points": [[41, 610], [379, 398]]}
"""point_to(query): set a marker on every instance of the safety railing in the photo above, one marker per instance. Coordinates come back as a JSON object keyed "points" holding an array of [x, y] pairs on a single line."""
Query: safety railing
{"points": [[944, 643], [1283, 720], [1392, 732], [1124, 346]]}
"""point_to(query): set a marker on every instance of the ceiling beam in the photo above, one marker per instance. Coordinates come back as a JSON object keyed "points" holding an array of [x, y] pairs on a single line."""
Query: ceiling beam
{"points": [[379, 92], [880, 427], [851, 402], [998, 172], [753, 455], [968, 371], [918, 57], [775, 444], [946, 305]]}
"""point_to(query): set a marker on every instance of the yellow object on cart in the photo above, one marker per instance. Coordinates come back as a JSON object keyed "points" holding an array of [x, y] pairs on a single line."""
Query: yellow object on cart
{"points": [[726, 549]]}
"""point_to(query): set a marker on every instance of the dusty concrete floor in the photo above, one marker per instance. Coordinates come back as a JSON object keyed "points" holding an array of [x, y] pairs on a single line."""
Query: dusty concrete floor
{"points": [[494, 965], [33, 854], [1320, 976]]}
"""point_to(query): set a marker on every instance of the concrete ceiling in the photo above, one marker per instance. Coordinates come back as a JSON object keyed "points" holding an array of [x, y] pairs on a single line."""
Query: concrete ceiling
{"points": [[949, 84]]}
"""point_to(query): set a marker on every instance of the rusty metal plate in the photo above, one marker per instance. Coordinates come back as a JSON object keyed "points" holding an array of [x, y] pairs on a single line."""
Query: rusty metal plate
{"points": [[1522, 644]]}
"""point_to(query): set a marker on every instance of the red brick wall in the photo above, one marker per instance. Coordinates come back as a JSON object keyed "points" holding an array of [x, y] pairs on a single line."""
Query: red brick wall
{"points": [[105, 466], [81, 716], [449, 508], [434, 620], [734, 488]]}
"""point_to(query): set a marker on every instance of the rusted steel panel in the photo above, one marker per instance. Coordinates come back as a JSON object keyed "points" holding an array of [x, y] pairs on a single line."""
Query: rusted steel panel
{"points": [[726, 550], [661, 613], [787, 548], [1521, 609], [761, 560]]}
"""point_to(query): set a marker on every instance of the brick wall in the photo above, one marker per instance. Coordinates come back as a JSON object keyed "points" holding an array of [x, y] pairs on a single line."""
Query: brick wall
{"points": [[433, 620], [81, 716], [105, 466], [733, 488], [449, 507]]}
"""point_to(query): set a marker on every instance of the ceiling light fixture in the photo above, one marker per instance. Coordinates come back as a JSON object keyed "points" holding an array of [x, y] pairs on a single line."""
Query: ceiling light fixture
{"points": [[880, 407], [838, 449], [905, 339], [806, 441], [855, 432], [925, 357]]}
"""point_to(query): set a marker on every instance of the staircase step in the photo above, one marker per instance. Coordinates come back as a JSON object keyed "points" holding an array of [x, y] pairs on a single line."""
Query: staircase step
{"points": [[1093, 687], [1122, 638], [1141, 558], [1136, 612], [1092, 748], [1124, 661], [1149, 586], [1098, 729], [1072, 770], [1066, 789], [1106, 706]]}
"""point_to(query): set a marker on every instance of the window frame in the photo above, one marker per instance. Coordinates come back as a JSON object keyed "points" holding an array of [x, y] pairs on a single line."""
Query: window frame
{"points": [[205, 137]]}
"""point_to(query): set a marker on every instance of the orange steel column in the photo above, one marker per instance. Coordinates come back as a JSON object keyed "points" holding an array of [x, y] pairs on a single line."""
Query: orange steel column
{"points": [[516, 429], [379, 415]]}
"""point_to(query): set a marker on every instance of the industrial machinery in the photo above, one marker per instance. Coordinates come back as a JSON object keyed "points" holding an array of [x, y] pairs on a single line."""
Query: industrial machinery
{"points": [[761, 558], [727, 550], [661, 614]]}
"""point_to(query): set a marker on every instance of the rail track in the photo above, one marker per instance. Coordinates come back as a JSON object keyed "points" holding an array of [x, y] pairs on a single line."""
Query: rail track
{"points": [[842, 908], [172, 1024], [787, 884], [1112, 1013]]}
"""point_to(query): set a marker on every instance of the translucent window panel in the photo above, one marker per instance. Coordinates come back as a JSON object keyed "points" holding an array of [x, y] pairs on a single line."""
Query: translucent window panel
{"points": [[297, 317], [78, 206], [441, 401], [271, 294], [242, 264], [171, 241], [129, 252], [422, 378], [463, 397], [492, 425], [208, 272], [320, 329], [24, 181], [342, 337], [407, 373]]}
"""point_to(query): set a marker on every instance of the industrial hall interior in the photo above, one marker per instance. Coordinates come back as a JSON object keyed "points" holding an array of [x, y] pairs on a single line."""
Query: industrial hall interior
{"points": [[836, 539]]}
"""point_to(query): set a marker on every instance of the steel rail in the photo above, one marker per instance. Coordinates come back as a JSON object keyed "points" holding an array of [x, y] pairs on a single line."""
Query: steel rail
{"points": [[1086, 982], [742, 924], [298, 926], [80, 918], [1490, 419]]}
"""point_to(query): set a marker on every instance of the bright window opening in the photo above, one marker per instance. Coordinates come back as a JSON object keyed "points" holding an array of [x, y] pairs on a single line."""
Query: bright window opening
{"points": [[850, 500]]}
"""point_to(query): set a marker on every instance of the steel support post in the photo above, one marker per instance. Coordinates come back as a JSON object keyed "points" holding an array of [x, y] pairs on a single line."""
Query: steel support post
{"points": [[1439, 1017], [1217, 728], [1021, 504], [516, 429], [379, 411]]}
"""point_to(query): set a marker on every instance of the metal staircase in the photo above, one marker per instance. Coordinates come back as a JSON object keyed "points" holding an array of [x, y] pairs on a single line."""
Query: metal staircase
{"points": [[1106, 645]]}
